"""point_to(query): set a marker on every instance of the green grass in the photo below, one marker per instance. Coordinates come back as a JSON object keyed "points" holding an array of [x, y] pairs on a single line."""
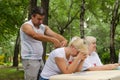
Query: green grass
{"points": [[10, 73]]}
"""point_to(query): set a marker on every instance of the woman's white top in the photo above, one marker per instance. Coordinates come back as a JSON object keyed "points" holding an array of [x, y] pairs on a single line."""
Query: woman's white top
{"points": [[51, 67], [92, 61]]}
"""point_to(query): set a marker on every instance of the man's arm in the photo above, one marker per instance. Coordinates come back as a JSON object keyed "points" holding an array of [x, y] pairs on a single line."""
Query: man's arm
{"points": [[26, 28], [51, 33]]}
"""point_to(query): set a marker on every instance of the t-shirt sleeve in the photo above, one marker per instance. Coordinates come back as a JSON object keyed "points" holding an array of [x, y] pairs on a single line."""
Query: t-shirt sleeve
{"points": [[99, 63], [59, 53]]}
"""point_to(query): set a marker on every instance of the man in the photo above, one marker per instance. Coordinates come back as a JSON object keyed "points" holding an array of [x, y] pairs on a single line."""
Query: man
{"points": [[32, 34]]}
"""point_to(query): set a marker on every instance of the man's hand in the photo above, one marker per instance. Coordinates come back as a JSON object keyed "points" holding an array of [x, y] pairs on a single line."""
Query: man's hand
{"points": [[56, 43], [64, 43]]}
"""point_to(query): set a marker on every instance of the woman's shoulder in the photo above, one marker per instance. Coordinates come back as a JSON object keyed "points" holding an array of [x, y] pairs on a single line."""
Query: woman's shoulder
{"points": [[58, 52]]}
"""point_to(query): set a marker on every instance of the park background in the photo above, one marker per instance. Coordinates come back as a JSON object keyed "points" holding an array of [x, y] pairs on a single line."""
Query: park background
{"points": [[98, 18]]}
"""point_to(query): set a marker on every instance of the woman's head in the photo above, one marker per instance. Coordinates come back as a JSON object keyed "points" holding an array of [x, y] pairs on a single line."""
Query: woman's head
{"points": [[78, 44], [91, 42]]}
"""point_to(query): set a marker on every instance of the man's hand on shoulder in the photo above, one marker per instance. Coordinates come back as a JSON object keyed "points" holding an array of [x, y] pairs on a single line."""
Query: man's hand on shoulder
{"points": [[64, 43], [56, 43]]}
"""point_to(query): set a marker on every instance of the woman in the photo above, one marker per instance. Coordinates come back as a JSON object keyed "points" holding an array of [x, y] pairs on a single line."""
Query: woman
{"points": [[93, 62], [65, 60]]}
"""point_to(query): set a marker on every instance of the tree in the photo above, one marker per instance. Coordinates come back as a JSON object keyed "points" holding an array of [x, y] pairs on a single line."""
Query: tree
{"points": [[82, 18], [12, 17], [114, 22], [45, 5], [16, 51], [33, 3], [17, 43], [64, 18]]}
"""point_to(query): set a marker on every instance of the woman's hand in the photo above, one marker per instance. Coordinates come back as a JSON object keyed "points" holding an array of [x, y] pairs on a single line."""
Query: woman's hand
{"points": [[112, 66], [81, 56]]}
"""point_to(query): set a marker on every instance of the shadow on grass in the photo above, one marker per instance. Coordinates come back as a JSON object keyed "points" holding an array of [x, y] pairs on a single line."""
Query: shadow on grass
{"points": [[11, 73]]}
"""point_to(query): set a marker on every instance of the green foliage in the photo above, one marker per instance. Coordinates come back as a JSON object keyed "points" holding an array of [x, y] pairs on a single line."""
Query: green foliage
{"points": [[105, 58], [2, 59], [97, 18], [64, 11], [7, 49], [12, 16]]}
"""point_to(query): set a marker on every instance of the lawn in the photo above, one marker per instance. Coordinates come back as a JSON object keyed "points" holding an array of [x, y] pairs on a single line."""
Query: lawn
{"points": [[11, 73]]}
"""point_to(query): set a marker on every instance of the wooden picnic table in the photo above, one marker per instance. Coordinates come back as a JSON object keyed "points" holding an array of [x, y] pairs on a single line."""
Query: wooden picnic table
{"points": [[89, 75]]}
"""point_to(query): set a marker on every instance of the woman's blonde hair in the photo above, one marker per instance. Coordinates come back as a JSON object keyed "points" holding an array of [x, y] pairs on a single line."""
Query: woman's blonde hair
{"points": [[89, 39], [78, 43]]}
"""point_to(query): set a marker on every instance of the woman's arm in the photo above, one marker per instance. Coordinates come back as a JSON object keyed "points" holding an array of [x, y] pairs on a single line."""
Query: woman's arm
{"points": [[80, 66], [104, 67], [71, 68], [64, 67]]}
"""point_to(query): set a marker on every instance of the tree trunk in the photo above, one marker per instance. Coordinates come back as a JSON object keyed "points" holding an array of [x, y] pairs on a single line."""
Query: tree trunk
{"points": [[114, 22], [82, 18], [33, 3], [45, 5], [16, 51]]}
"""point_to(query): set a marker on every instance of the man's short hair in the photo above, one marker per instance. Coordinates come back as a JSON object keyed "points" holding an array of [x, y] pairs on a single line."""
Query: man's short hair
{"points": [[38, 10]]}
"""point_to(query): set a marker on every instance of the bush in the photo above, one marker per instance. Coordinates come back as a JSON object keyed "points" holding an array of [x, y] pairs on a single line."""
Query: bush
{"points": [[105, 58], [2, 59]]}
